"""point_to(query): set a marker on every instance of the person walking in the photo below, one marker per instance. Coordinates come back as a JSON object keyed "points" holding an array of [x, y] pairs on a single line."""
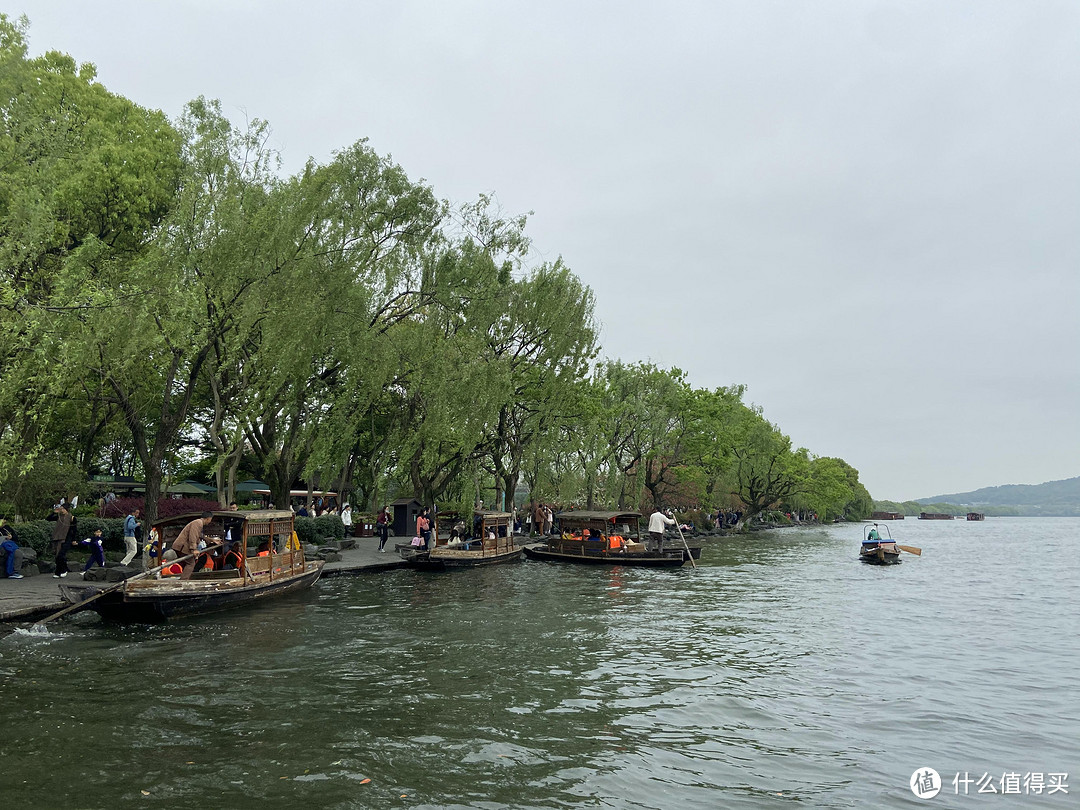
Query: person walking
{"points": [[382, 527], [131, 524], [658, 522], [346, 519], [64, 526]]}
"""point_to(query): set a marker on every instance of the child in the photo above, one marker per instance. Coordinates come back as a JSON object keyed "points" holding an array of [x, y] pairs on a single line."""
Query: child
{"points": [[97, 550]]}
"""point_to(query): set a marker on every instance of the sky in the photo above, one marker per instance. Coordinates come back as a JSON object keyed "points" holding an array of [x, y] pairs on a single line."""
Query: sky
{"points": [[866, 212]]}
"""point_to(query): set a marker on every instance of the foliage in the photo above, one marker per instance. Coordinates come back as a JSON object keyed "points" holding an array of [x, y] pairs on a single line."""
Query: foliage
{"points": [[37, 534], [166, 507], [316, 529], [169, 302]]}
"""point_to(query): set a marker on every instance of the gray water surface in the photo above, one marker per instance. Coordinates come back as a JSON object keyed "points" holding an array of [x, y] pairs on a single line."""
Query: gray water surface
{"points": [[781, 673]]}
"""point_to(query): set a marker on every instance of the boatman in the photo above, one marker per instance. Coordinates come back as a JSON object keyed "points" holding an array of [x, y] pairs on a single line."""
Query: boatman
{"points": [[658, 521], [188, 542]]}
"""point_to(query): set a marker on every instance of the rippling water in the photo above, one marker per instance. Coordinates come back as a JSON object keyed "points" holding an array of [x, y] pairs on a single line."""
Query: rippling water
{"points": [[781, 673]]}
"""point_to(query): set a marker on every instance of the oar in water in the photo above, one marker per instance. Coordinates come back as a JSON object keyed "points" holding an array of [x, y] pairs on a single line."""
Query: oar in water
{"points": [[81, 605], [688, 553], [910, 550]]}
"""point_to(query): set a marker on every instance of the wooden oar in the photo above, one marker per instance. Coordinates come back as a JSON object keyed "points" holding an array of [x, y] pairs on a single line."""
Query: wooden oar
{"points": [[910, 550], [119, 585], [688, 554]]}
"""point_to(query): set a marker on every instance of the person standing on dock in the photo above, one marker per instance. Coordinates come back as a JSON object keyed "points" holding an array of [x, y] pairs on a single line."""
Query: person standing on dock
{"points": [[423, 528], [658, 522], [60, 538], [346, 519], [188, 542], [382, 527]]}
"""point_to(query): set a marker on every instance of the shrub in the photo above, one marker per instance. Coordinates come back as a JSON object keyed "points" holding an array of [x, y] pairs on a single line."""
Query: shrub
{"points": [[37, 534], [167, 507], [305, 529], [329, 526]]}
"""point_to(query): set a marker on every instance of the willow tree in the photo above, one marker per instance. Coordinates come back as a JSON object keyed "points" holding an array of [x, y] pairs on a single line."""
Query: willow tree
{"points": [[86, 179]]}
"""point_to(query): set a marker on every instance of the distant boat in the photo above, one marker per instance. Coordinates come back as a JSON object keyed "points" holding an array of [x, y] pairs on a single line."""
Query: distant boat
{"points": [[607, 538], [976, 516], [887, 516], [934, 516]]}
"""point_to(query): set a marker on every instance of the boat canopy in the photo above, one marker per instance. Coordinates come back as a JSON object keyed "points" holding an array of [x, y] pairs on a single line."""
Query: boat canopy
{"points": [[609, 517], [247, 515]]}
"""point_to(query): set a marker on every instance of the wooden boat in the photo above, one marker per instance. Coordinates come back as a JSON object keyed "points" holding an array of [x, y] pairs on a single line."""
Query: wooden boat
{"points": [[976, 516], [607, 538], [487, 540], [878, 550], [887, 516], [277, 567], [934, 516]]}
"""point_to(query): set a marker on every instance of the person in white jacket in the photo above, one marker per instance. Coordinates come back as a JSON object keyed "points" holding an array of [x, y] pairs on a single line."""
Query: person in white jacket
{"points": [[658, 521]]}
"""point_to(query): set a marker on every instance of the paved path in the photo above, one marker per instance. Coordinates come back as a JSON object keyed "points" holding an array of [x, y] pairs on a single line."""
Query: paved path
{"points": [[38, 596], [30, 597]]}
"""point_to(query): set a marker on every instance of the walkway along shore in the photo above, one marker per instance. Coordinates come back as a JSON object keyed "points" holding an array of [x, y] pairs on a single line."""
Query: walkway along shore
{"points": [[37, 596]]}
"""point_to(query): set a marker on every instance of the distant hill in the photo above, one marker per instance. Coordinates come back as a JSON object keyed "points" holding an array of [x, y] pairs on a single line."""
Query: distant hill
{"points": [[1051, 498]]}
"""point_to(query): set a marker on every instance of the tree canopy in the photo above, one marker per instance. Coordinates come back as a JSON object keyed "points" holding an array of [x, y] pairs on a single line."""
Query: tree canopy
{"points": [[170, 302]]}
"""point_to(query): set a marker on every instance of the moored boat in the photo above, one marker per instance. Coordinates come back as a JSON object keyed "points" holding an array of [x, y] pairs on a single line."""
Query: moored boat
{"points": [[976, 516], [878, 550], [934, 516], [487, 540], [277, 567], [607, 538]]}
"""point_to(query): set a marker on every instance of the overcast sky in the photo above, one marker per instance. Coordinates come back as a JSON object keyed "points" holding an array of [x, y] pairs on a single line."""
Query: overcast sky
{"points": [[867, 212]]}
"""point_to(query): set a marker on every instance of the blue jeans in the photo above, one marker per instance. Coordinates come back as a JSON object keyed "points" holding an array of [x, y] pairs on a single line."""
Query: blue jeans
{"points": [[10, 546]]}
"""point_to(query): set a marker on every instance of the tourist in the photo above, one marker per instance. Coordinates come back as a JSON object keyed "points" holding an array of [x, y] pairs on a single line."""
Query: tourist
{"points": [[9, 542], [549, 519], [302, 511], [658, 522], [346, 519], [65, 526], [538, 517], [187, 543], [131, 524], [96, 544], [234, 557], [382, 527], [423, 528], [233, 507]]}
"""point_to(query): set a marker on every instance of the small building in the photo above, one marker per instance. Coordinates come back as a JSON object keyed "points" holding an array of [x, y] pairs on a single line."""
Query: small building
{"points": [[404, 512]]}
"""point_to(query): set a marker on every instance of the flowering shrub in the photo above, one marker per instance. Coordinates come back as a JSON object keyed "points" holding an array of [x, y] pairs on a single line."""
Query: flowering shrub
{"points": [[167, 507]]}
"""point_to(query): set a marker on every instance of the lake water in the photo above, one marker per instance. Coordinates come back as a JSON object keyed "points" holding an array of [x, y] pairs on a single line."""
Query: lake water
{"points": [[781, 673]]}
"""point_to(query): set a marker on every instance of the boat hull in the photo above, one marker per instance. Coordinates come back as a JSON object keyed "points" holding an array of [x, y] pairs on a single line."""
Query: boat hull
{"points": [[879, 556], [435, 561], [673, 558], [156, 605]]}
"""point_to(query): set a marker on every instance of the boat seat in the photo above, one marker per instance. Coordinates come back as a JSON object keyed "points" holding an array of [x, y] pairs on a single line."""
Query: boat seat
{"points": [[224, 573]]}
